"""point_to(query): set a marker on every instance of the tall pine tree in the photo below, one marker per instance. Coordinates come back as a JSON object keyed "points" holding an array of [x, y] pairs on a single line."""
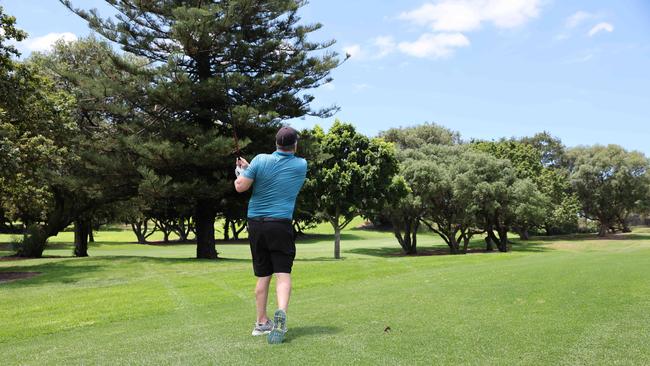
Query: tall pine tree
{"points": [[222, 71]]}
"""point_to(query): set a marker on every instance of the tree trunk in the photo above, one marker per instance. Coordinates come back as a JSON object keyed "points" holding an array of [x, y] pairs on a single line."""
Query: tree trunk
{"points": [[465, 244], [233, 228], [81, 231], [602, 232], [181, 228], [297, 229], [226, 230], [91, 237], [524, 235], [139, 233], [408, 241], [33, 243], [414, 238], [489, 243], [453, 244], [503, 244], [241, 228], [337, 242], [205, 242], [35, 237]]}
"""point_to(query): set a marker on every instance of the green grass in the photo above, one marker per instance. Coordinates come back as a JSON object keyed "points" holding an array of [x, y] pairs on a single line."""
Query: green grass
{"points": [[570, 300]]}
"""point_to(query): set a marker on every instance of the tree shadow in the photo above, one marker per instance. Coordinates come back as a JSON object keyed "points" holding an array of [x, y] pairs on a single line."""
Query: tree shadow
{"points": [[531, 247], [310, 330], [72, 269], [318, 259], [396, 252], [315, 238], [63, 272], [385, 252]]}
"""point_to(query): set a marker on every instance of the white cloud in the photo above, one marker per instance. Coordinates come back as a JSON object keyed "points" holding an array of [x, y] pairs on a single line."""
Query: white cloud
{"points": [[353, 50], [434, 45], [376, 48], [44, 43], [601, 27], [445, 16], [468, 15], [385, 46], [578, 18]]}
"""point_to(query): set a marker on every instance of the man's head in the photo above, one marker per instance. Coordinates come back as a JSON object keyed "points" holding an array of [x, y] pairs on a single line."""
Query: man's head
{"points": [[286, 139]]}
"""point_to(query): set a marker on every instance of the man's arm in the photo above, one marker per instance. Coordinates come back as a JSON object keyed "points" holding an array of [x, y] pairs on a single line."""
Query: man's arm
{"points": [[242, 183]]}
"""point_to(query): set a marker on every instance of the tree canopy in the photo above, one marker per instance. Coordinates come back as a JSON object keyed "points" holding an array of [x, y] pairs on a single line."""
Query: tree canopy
{"points": [[221, 72]]}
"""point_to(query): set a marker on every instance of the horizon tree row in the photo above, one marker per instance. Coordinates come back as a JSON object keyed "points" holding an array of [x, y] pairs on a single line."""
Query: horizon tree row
{"points": [[460, 189]]}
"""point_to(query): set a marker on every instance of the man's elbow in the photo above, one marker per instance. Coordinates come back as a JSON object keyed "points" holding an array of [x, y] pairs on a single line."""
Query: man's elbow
{"points": [[242, 185]]}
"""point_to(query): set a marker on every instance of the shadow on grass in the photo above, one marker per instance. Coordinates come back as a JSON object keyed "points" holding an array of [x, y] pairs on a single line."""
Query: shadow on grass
{"points": [[64, 272], [531, 246], [72, 269], [315, 238], [310, 330], [387, 252], [585, 237], [392, 252], [318, 259]]}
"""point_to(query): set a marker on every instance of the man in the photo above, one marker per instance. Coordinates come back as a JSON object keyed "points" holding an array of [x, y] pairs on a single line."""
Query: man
{"points": [[276, 180]]}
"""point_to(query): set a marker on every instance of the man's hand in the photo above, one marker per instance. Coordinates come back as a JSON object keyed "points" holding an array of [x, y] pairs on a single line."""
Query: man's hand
{"points": [[242, 184], [242, 163]]}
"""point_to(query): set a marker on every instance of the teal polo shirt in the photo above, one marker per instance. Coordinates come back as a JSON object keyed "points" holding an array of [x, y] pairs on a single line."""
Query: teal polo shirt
{"points": [[278, 178]]}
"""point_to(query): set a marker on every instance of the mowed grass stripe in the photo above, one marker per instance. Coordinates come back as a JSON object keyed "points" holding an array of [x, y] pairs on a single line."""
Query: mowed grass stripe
{"points": [[560, 303]]}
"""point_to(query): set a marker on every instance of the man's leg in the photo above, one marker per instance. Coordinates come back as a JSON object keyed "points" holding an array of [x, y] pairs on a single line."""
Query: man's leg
{"points": [[261, 298], [283, 290]]}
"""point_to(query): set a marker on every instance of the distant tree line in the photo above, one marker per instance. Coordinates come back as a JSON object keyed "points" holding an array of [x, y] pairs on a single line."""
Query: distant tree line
{"points": [[494, 188]]}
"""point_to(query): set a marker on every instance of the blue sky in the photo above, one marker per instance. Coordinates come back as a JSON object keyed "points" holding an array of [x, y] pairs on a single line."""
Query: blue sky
{"points": [[486, 68]]}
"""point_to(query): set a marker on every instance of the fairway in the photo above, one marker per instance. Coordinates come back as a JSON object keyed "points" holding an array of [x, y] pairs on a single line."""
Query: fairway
{"points": [[566, 301]]}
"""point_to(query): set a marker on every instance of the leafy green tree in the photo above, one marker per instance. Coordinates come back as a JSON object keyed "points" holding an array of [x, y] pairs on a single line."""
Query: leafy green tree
{"points": [[539, 159], [8, 32], [36, 131], [525, 158], [305, 214], [552, 150], [417, 136], [610, 182], [554, 183], [501, 201], [105, 169], [352, 178], [562, 216], [404, 213], [437, 177], [219, 69]]}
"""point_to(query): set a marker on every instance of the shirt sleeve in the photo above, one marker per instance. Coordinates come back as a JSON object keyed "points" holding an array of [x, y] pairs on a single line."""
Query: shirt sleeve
{"points": [[251, 171]]}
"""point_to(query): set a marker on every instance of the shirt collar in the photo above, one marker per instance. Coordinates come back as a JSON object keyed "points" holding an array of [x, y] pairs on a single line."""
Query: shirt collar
{"points": [[283, 153]]}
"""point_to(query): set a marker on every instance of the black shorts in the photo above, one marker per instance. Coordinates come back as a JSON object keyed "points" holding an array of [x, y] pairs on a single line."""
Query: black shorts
{"points": [[272, 246]]}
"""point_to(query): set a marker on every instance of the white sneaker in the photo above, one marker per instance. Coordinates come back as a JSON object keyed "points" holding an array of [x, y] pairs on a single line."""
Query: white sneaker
{"points": [[261, 329]]}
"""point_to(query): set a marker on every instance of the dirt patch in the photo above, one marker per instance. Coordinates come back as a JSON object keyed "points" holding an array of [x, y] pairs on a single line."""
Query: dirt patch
{"points": [[12, 258], [13, 276]]}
